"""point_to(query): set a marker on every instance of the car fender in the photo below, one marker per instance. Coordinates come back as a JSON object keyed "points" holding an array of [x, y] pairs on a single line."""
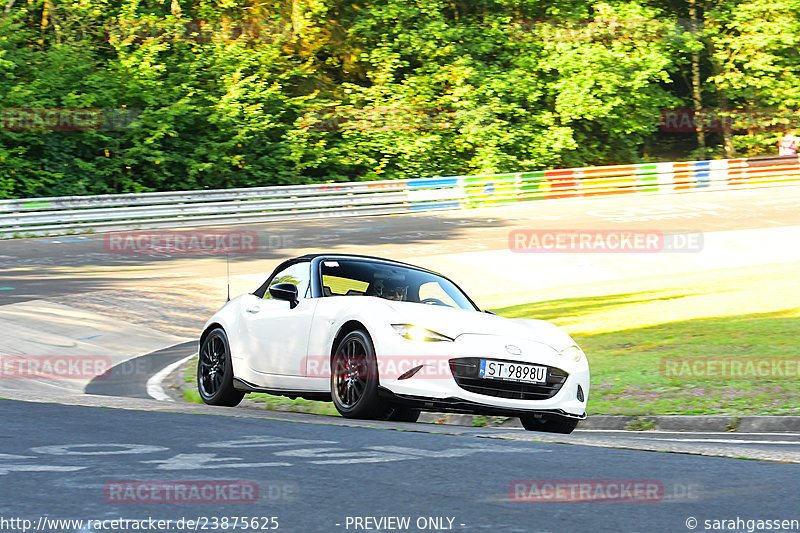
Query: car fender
{"points": [[228, 319]]}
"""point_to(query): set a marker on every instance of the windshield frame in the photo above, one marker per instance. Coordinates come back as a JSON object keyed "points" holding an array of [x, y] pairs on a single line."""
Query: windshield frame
{"points": [[316, 274]]}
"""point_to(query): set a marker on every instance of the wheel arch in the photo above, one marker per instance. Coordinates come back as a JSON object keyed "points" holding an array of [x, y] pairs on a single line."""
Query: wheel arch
{"points": [[211, 327]]}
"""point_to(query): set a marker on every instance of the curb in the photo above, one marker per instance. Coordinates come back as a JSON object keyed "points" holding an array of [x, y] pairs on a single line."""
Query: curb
{"points": [[174, 385], [688, 423]]}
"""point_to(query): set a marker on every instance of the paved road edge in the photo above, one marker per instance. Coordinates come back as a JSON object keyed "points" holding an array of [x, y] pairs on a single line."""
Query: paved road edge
{"points": [[688, 423]]}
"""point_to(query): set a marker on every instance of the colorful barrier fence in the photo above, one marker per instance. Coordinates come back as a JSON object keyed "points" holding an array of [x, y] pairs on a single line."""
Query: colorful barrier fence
{"points": [[80, 214]]}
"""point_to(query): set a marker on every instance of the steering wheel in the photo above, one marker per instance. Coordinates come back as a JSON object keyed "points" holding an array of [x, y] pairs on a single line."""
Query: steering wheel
{"points": [[434, 301]]}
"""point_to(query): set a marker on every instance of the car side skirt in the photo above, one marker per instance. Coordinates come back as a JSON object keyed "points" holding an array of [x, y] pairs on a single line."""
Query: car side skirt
{"points": [[242, 385]]}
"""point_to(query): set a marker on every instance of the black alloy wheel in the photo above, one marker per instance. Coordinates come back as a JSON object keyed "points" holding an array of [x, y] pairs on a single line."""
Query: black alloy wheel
{"points": [[215, 371], [354, 378]]}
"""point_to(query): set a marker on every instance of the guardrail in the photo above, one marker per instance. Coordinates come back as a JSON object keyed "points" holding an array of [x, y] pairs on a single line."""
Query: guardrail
{"points": [[82, 214]]}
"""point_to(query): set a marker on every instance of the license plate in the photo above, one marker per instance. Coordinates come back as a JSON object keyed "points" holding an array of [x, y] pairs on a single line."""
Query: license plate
{"points": [[521, 372]]}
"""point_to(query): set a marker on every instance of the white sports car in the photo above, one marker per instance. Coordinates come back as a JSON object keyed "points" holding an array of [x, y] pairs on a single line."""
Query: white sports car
{"points": [[384, 339]]}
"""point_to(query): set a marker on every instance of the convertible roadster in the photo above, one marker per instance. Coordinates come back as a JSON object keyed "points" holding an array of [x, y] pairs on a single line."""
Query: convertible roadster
{"points": [[384, 340]]}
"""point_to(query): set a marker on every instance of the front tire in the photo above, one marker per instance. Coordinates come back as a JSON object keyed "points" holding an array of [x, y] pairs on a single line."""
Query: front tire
{"points": [[549, 423], [215, 371], [354, 378]]}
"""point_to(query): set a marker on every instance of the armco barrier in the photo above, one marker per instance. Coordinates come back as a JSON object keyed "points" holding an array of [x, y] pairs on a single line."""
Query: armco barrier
{"points": [[81, 214]]}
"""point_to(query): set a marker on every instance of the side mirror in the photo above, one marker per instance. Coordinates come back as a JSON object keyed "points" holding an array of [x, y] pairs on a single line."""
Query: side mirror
{"points": [[285, 291]]}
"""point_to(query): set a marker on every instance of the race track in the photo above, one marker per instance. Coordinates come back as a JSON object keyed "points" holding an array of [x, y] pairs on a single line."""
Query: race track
{"points": [[313, 475], [62, 453]]}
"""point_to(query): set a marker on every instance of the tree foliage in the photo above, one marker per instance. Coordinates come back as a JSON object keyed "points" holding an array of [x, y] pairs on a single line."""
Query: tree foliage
{"points": [[237, 93]]}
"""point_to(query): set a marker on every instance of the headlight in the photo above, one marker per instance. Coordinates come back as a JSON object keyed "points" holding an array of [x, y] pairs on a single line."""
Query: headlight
{"points": [[416, 333], [572, 352]]}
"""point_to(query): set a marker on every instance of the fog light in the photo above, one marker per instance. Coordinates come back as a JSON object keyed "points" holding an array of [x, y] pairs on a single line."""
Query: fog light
{"points": [[580, 394]]}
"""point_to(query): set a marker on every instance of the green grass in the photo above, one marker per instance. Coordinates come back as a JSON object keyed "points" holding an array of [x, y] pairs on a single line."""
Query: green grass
{"points": [[480, 421], [627, 328], [191, 395], [641, 424], [299, 405], [269, 401]]}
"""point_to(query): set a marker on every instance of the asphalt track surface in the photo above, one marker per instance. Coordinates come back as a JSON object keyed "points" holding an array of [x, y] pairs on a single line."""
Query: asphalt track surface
{"points": [[57, 266], [129, 379], [319, 473], [62, 461]]}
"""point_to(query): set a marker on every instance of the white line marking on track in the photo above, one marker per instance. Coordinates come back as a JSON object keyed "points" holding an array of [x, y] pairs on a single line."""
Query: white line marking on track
{"points": [[665, 432], [204, 461], [334, 456], [261, 441], [154, 389], [115, 449], [731, 441]]}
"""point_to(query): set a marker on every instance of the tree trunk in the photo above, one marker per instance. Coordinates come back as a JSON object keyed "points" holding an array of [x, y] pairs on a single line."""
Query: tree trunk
{"points": [[725, 112], [727, 134], [697, 97]]}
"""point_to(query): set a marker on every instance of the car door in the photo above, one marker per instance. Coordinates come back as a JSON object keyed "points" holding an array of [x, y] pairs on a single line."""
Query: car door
{"points": [[275, 336]]}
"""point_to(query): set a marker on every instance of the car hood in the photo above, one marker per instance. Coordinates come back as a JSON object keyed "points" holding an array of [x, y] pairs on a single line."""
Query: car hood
{"points": [[456, 322]]}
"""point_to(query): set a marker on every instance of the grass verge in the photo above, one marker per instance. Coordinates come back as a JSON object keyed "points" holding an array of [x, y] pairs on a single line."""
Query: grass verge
{"points": [[257, 399], [629, 328]]}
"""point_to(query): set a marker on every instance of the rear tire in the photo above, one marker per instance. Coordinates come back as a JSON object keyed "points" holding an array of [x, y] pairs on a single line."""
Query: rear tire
{"points": [[215, 371], [354, 378], [549, 423]]}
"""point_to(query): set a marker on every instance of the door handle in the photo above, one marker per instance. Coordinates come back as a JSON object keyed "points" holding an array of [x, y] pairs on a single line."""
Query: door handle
{"points": [[253, 309]]}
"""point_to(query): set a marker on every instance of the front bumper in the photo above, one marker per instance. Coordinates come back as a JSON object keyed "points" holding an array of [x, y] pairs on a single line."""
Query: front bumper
{"points": [[458, 405], [446, 384]]}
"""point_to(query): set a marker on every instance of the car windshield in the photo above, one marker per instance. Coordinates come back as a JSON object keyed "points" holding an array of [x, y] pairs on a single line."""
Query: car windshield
{"points": [[347, 277]]}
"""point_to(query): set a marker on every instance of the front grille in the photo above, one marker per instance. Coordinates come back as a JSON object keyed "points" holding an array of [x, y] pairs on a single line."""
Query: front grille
{"points": [[465, 372]]}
